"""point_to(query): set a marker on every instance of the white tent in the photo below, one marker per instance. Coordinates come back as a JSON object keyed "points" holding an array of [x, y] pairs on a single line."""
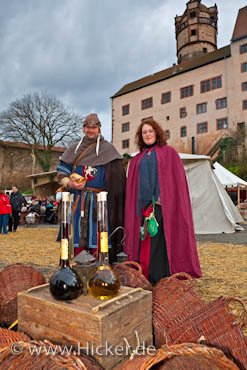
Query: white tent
{"points": [[213, 210], [226, 177]]}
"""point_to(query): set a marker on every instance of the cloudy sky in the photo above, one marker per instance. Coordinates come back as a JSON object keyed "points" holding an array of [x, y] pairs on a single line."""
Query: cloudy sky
{"points": [[83, 51]]}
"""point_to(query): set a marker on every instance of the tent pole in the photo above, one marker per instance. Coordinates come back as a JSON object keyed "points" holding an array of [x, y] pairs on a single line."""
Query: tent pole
{"points": [[238, 194]]}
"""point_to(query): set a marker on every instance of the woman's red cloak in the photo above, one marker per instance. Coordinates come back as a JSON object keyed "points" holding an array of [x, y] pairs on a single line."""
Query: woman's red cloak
{"points": [[176, 211]]}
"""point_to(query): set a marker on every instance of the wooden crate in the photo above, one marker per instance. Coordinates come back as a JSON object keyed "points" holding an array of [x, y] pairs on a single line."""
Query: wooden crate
{"points": [[88, 323]]}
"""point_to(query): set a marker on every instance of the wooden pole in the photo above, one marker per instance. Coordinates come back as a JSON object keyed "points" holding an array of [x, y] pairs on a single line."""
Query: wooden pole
{"points": [[238, 194]]}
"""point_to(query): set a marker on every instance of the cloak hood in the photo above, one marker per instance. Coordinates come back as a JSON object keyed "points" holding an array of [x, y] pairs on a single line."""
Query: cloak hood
{"points": [[107, 152]]}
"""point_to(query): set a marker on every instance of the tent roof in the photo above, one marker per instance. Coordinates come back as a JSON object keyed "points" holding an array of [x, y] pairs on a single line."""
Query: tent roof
{"points": [[192, 157], [226, 177]]}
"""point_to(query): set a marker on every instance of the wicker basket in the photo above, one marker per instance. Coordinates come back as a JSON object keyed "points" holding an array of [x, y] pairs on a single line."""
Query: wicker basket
{"points": [[130, 274], [216, 326], [44, 355], [14, 279], [9, 336], [173, 301], [186, 356]]}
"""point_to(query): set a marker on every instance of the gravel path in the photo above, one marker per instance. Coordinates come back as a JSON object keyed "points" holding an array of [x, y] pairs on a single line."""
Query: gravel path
{"points": [[239, 237]]}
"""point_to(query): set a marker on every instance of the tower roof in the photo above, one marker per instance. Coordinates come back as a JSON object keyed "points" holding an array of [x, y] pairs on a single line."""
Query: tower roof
{"points": [[240, 29]]}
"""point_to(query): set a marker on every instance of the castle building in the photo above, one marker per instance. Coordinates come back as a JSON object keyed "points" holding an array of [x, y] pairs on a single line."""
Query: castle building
{"points": [[199, 100]]}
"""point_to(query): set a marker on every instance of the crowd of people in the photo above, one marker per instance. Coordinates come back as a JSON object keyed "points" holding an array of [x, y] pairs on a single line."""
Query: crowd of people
{"points": [[153, 206], [13, 205], [42, 207]]}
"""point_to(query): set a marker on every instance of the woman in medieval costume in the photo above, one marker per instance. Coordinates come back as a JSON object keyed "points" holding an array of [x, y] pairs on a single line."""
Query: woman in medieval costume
{"points": [[86, 168], [158, 216]]}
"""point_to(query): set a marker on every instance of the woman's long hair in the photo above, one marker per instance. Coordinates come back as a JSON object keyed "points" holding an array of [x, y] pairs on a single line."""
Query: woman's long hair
{"points": [[160, 134]]}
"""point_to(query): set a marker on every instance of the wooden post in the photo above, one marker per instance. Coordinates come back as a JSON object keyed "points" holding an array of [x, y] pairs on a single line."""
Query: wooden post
{"points": [[238, 194]]}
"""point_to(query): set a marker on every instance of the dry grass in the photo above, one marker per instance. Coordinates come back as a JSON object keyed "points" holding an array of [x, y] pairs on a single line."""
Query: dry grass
{"points": [[36, 246], [224, 266]]}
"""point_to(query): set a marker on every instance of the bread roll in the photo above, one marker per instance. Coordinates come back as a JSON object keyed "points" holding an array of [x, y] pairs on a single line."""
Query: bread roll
{"points": [[78, 178]]}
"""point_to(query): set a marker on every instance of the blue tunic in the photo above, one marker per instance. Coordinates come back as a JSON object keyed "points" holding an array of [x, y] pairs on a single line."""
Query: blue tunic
{"points": [[95, 179]]}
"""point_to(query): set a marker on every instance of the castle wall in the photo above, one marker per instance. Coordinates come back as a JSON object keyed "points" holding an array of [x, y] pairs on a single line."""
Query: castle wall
{"points": [[16, 162]]}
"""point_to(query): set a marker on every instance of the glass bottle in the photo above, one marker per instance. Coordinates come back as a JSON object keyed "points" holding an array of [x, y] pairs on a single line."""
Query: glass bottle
{"points": [[71, 227], [65, 284], [104, 283]]}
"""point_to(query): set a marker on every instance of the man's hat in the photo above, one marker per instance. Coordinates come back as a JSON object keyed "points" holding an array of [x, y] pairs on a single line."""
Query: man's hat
{"points": [[91, 120]]}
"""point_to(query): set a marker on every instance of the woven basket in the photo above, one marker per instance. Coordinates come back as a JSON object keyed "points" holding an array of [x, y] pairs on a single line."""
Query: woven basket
{"points": [[9, 336], [216, 326], [186, 356], [130, 274], [173, 301], [40, 355], [13, 279]]}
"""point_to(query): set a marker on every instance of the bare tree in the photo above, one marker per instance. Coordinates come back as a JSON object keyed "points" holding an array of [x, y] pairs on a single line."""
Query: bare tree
{"points": [[40, 120]]}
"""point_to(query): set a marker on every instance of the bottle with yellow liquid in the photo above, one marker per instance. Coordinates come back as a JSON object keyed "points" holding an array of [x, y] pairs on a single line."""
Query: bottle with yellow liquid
{"points": [[104, 283]]}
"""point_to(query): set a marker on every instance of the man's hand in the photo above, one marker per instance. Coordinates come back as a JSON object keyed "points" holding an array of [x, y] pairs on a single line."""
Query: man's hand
{"points": [[72, 184]]}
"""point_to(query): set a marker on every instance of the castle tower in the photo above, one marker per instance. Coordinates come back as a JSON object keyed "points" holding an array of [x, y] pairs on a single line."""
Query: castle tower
{"points": [[196, 30]]}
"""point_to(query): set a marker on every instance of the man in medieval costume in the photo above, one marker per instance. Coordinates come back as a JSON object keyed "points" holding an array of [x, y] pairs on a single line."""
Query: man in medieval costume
{"points": [[86, 168]]}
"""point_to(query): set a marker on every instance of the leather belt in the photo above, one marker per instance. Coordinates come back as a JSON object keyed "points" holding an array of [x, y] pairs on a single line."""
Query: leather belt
{"points": [[93, 190], [87, 190]]}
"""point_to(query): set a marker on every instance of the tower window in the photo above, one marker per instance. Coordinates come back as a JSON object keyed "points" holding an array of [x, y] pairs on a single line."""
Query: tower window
{"points": [[193, 32], [244, 67], [201, 108], [125, 144], [205, 50], [216, 83], [241, 125], [244, 104], [244, 86], [125, 109], [147, 103], [183, 131], [166, 97], [192, 14], [212, 20], [186, 91], [202, 128], [182, 112], [221, 123], [243, 48], [211, 84], [221, 103], [183, 25], [125, 127]]}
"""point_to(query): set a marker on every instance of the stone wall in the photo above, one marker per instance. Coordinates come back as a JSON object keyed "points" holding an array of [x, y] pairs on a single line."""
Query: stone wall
{"points": [[16, 162]]}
